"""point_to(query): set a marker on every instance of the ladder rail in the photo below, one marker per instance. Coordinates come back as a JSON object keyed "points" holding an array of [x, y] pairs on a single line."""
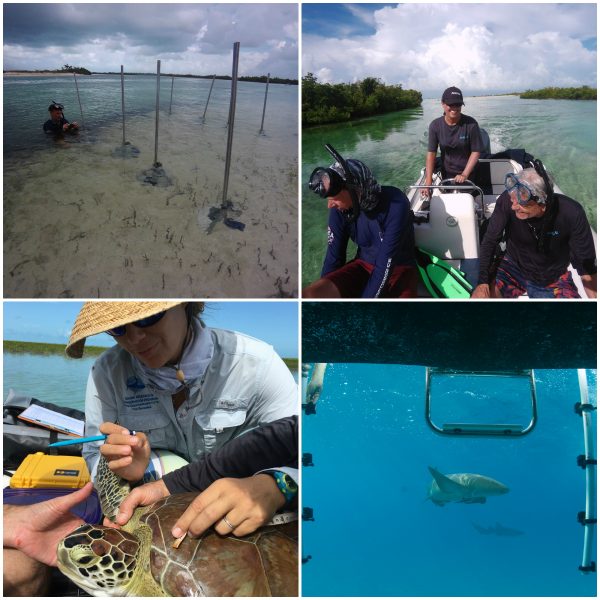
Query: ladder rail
{"points": [[481, 429], [590, 473]]}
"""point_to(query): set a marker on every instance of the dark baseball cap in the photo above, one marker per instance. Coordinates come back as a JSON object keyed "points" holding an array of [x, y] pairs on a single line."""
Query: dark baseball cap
{"points": [[452, 95]]}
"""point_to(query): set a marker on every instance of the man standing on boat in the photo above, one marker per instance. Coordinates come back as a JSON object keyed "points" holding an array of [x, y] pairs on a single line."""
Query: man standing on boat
{"points": [[459, 139], [544, 232], [378, 220]]}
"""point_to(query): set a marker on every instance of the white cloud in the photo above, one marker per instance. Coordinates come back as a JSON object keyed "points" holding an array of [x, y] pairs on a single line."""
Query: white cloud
{"points": [[491, 47]]}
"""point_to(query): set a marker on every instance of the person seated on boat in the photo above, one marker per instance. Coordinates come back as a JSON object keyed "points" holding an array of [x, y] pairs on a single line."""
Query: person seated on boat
{"points": [[459, 139], [178, 384], [57, 122], [544, 231], [224, 478], [378, 219]]}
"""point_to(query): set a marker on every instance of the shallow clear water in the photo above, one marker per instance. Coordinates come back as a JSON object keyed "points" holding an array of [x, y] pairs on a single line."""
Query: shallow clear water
{"points": [[56, 379], [78, 222], [375, 534], [560, 132]]}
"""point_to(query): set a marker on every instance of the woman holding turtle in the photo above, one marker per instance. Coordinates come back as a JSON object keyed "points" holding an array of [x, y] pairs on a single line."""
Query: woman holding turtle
{"points": [[177, 385]]}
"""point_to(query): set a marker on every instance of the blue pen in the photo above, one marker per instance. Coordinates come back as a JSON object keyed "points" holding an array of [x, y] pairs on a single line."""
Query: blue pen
{"points": [[94, 438]]}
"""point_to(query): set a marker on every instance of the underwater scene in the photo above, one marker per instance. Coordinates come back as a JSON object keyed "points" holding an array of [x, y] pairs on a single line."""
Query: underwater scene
{"points": [[391, 508]]}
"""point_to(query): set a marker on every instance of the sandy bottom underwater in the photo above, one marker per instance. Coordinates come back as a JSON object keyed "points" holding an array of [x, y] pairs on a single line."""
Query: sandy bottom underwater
{"points": [[80, 223]]}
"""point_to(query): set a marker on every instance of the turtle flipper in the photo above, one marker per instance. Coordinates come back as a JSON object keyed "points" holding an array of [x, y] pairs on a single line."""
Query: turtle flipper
{"points": [[111, 489]]}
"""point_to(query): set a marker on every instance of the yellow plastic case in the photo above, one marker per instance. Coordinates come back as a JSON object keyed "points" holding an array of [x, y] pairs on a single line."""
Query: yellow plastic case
{"points": [[42, 471]]}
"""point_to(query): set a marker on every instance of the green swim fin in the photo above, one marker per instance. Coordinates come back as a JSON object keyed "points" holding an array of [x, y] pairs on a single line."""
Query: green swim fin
{"points": [[441, 279]]}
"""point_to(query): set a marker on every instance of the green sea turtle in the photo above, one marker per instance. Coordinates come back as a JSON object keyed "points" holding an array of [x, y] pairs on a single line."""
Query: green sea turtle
{"points": [[139, 560]]}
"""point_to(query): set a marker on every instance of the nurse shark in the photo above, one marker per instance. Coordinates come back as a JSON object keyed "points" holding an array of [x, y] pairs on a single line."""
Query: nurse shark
{"points": [[463, 487]]}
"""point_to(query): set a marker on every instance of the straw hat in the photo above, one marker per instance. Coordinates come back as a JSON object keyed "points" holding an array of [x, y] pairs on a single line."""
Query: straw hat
{"points": [[97, 317]]}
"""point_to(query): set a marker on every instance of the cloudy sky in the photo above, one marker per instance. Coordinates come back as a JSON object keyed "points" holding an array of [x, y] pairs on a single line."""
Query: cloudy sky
{"points": [[478, 47], [188, 38]]}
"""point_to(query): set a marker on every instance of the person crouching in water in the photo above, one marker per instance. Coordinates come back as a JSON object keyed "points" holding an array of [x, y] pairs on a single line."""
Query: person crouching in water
{"points": [[544, 232], [57, 122], [378, 219]]}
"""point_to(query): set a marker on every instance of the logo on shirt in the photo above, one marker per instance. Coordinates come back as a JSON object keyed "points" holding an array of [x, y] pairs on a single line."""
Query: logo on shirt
{"points": [[135, 383], [330, 236], [553, 233]]}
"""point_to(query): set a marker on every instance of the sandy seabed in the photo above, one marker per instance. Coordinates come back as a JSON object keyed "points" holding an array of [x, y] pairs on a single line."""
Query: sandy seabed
{"points": [[80, 223]]}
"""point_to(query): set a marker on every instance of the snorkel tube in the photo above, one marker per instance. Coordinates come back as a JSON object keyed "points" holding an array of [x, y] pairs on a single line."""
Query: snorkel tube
{"points": [[349, 179]]}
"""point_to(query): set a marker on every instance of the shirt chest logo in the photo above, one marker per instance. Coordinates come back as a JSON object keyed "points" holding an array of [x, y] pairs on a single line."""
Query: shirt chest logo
{"points": [[135, 383]]}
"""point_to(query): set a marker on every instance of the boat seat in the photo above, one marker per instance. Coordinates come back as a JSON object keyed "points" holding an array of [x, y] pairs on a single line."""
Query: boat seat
{"points": [[452, 231], [498, 168]]}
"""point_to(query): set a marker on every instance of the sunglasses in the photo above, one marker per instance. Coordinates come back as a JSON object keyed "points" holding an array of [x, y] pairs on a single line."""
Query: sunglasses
{"points": [[455, 106], [142, 324]]}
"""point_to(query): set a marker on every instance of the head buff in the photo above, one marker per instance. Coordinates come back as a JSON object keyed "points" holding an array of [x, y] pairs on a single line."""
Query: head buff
{"points": [[367, 188]]}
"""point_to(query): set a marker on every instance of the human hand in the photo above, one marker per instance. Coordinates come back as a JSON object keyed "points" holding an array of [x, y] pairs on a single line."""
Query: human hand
{"points": [[315, 385], [140, 496], [36, 529], [127, 455], [246, 503], [426, 192], [460, 178], [66, 126], [481, 291], [313, 391]]}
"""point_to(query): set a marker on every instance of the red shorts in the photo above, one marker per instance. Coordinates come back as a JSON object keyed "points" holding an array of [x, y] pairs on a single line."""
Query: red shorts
{"points": [[352, 278]]}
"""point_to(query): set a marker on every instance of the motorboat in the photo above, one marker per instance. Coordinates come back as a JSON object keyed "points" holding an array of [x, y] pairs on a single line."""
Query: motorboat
{"points": [[450, 225]]}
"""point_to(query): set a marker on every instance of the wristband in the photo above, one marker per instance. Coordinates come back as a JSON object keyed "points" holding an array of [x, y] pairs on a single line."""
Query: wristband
{"points": [[286, 484]]}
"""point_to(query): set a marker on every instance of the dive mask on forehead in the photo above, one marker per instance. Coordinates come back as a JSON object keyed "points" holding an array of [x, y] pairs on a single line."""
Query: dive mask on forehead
{"points": [[325, 182], [329, 181], [523, 193]]}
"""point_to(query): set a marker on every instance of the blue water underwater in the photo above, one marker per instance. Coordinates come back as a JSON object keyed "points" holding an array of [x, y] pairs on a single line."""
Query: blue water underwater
{"points": [[376, 534]]}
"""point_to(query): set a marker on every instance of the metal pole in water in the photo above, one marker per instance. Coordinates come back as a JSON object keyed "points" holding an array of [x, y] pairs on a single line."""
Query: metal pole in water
{"points": [[265, 104], [172, 83], [234, 75], [78, 99], [157, 107], [208, 99], [123, 101]]}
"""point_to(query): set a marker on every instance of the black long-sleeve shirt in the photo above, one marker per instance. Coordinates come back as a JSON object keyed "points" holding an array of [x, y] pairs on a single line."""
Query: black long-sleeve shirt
{"points": [[269, 446], [571, 241]]}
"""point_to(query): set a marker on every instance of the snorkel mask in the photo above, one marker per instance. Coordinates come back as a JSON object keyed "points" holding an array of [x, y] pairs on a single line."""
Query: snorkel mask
{"points": [[524, 194], [56, 106], [330, 181]]}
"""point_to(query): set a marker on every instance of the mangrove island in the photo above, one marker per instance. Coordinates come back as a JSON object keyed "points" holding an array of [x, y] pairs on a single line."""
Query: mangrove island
{"points": [[555, 93], [333, 103]]}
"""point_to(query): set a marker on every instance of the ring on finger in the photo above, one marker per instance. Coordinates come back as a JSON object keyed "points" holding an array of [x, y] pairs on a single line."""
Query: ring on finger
{"points": [[224, 519]]}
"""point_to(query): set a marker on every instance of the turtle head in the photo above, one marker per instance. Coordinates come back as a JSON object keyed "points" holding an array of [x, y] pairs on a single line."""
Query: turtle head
{"points": [[101, 560]]}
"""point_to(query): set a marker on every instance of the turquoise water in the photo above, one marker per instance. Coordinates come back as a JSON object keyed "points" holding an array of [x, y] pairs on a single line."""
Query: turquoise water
{"points": [[560, 132], [54, 379], [79, 222], [375, 534]]}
